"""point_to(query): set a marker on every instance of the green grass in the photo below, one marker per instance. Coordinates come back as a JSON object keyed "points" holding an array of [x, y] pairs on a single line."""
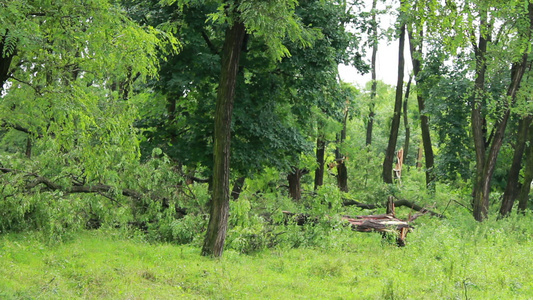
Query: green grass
{"points": [[444, 259]]}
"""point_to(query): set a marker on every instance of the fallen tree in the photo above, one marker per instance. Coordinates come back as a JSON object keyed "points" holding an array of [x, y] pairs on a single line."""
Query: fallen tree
{"points": [[33, 180], [75, 188], [397, 203], [383, 223]]}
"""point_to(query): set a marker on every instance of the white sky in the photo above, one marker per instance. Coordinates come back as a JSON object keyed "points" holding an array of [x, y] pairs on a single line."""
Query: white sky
{"points": [[387, 56]]}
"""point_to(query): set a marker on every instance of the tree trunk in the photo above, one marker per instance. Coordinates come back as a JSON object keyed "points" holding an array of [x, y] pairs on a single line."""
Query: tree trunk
{"points": [[319, 172], [523, 197], [373, 90], [483, 180], [342, 176], [342, 172], [295, 189], [218, 220], [406, 121], [512, 188], [419, 155], [393, 137], [416, 59], [480, 206], [28, 146], [237, 188]]}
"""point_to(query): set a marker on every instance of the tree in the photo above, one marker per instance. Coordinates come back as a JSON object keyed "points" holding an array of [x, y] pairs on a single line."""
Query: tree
{"points": [[406, 120], [512, 188], [523, 196], [68, 75], [486, 161], [373, 90], [255, 18], [393, 137], [479, 31], [218, 221], [416, 40]]}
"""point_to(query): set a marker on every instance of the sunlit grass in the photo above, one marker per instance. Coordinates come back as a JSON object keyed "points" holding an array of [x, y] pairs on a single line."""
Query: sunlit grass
{"points": [[444, 259]]}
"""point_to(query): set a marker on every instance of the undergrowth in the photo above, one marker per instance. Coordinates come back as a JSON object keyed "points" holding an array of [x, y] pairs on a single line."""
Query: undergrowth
{"points": [[444, 259]]}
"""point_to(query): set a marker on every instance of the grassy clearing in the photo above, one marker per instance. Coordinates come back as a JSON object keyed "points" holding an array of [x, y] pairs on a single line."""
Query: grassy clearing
{"points": [[443, 260]]}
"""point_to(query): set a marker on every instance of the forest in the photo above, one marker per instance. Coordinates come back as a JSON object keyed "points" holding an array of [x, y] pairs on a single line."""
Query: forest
{"points": [[210, 149]]}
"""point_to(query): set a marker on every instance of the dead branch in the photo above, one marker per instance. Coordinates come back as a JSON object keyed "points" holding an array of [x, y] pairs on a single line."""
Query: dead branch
{"points": [[397, 203]]}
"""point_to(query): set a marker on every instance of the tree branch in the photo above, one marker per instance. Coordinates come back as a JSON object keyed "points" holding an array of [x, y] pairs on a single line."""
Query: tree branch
{"points": [[402, 202], [94, 188], [210, 45]]}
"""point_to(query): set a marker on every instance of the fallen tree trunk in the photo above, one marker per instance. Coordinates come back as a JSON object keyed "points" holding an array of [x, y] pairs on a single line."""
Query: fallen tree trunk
{"points": [[381, 223], [95, 188], [384, 223], [397, 203]]}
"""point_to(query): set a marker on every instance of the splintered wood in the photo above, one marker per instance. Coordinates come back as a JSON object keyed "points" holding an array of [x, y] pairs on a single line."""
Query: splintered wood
{"points": [[380, 223], [385, 223]]}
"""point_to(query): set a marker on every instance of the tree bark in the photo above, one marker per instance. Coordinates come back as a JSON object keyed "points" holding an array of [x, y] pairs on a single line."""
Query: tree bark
{"points": [[419, 155], [523, 197], [416, 59], [28, 147], [295, 188], [319, 172], [219, 211], [237, 188], [342, 172], [480, 206], [512, 188], [406, 121], [373, 90], [393, 137]]}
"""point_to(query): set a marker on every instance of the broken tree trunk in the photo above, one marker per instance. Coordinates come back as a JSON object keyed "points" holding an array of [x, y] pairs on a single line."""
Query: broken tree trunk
{"points": [[385, 223], [381, 223]]}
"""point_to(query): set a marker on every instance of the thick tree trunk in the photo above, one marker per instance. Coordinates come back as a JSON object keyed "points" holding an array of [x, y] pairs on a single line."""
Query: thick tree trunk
{"points": [[523, 197], [480, 206], [373, 90], [416, 59], [218, 220], [406, 121], [393, 137], [319, 172], [512, 188], [342, 176], [295, 188]]}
